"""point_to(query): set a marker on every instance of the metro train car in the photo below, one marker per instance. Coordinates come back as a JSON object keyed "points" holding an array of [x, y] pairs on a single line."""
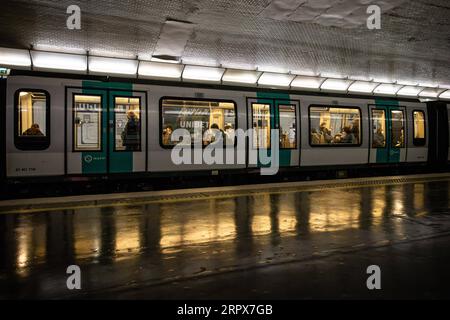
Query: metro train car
{"points": [[65, 129]]}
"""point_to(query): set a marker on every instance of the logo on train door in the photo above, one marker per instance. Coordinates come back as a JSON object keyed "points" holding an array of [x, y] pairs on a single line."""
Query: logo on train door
{"points": [[88, 158]]}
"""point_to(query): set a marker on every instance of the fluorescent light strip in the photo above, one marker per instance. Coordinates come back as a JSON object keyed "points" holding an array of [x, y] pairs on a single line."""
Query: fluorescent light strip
{"points": [[336, 84], [241, 76], [59, 61], [445, 95], [15, 57], [208, 74], [43, 60], [387, 89], [275, 79], [112, 65], [431, 92], [160, 70], [307, 82], [363, 86], [407, 83], [409, 91]]}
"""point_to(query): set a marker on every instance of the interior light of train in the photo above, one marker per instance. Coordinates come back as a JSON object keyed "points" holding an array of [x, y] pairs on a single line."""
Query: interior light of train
{"points": [[112, 65], [14, 57], [363, 86], [61, 61], [431, 92], [160, 70], [275, 79], [336, 84], [200, 73], [445, 95], [241, 76], [410, 91], [387, 89], [307, 82]]}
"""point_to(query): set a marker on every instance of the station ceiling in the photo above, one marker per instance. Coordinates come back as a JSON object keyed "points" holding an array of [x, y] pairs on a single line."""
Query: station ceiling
{"points": [[327, 37]]}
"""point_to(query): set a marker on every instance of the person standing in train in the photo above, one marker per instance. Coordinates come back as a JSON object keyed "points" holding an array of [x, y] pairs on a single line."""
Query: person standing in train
{"points": [[131, 135]]}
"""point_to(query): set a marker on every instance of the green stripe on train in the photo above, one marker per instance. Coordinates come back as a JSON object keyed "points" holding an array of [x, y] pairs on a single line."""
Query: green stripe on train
{"points": [[118, 161]]}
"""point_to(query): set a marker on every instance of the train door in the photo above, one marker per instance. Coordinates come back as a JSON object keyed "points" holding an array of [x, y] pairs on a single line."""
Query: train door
{"points": [[127, 139], [105, 131], [387, 134], [266, 114]]}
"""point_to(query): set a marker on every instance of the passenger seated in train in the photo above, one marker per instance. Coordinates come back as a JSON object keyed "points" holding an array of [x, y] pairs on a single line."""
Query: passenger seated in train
{"points": [[399, 143], [229, 134], [33, 131], [378, 139], [167, 135], [131, 139], [325, 133], [213, 134], [347, 135], [315, 136]]}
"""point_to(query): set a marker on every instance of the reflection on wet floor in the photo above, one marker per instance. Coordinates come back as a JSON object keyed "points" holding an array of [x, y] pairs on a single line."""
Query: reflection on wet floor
{"points": [[213, 233]]}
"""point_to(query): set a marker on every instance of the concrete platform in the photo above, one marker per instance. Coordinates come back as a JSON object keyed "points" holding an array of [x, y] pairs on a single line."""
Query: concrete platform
{"points": [[295, 240]]}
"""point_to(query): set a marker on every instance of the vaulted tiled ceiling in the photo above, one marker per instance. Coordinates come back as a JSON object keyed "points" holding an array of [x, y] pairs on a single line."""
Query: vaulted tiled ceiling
{"points": [[412, 44]]}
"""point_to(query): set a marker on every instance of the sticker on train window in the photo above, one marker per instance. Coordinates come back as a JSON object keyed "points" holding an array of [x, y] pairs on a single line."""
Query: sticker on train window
{"points": [[202, 118], [87, 120]]}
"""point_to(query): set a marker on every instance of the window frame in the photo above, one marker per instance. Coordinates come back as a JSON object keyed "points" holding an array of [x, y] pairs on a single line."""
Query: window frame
{"points": [[101, 121], [335, 145], [424, 139], [114, 122], [391, 135], [160, 140], [277, 108], [32, 142], [371, 128], [271, 116]]}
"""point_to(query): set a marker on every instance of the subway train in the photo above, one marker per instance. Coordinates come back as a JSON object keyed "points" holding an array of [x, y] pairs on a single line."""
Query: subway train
{"points": [[73, 133]]}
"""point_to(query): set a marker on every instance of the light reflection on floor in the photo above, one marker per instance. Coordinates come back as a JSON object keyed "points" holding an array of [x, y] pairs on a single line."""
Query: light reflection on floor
{"points": [[113, 234]]}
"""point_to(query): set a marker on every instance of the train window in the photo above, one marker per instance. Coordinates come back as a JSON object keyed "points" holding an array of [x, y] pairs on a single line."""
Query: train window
{"points": [[334, 126], [288, 135], [419, 128], [261, 117], [204, 119], [87, 123], [397, 129], [32, 119], [378, 128], [127, 115]]}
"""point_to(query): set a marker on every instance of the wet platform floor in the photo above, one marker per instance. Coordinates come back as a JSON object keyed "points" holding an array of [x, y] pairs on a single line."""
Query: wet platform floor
{"points": [[296, 244]]}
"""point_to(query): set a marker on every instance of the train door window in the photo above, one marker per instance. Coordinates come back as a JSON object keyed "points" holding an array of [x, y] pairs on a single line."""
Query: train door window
{"points": [[205, 120], [32, 119], [127, 125], [397, 129], [87, 123], [378, 128], [261, 117], [334, 126], [288, 135], [419, 128]]}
